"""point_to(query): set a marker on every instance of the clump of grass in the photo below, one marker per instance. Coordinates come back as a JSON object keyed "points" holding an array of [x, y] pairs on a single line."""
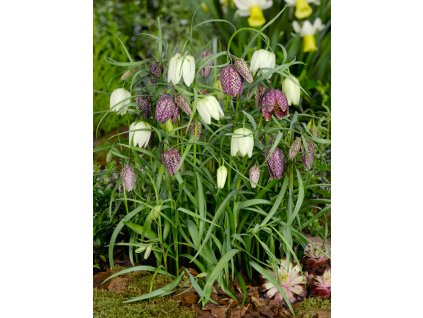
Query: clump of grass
{"points": [[110, 305]]}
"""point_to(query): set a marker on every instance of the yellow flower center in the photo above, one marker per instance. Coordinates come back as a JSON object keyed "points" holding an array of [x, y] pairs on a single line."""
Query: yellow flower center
{"points": [[256, 18], [302, 9], [309, 43]]}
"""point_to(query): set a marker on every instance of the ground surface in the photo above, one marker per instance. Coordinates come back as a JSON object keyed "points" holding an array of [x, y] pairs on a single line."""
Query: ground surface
{"points": [[109, 297]]}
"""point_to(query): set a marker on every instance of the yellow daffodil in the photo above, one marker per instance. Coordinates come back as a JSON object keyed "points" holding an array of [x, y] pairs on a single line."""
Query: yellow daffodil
{"points": [[302, 7], [307, 31], [253, 10]]}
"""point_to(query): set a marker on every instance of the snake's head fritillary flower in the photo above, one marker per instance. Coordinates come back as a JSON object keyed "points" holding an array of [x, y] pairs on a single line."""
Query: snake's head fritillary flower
{"points": [[262, 59], [156, 69], [205, 71], [275, 163], [295, 148], [129, 177], [243, 70], [302, 7], [291, 281], [143, 105], [254, 175], [171, 160], [274, 102], [119, 101], [253, 10], [182, 103], [307, 31], [259, 93], [181, 66], [208, 107], [322, 285], [308, 158], [292, 90], [222, 173], [166, 109], [128, 74], [139, 134], [242, 142], [231, 81], [195, 131]]}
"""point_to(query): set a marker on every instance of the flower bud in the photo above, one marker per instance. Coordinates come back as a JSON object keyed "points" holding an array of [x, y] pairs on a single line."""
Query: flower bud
{"points": [[139, 134], [119, 101], [129, 177], [222, 173], [127, 74], [275, 163], [295, 148], [231, 81], [182, 104], [156, 69], [292, 90], [258, 94], [254, 176], [242, 142], [155, 212], [166, 109], [143, 105], [242, 68], [171, 160], [274, 101], [191, 129], [208, 107], [308, 159], [205, 71]]}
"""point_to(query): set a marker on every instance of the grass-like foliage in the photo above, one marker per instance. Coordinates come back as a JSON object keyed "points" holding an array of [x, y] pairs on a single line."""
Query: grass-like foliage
{"points": [[182, 218]]}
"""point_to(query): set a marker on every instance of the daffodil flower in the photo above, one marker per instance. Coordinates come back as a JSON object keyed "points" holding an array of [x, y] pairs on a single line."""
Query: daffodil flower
{"points": [[253, 10], [302, 7], [307, 31]]}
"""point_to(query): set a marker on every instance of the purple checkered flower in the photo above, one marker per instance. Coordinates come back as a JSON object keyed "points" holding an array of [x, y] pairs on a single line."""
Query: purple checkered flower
{"points": [[166, 109], [129, 177], [295, 148], [205, 71], [171, 160], [274, 102], [275, 163], [183, 104], [258, 94], [308, 160], [231, 81], [143, 105], [254, 176], [243, 70], [191, 129], [156, 69]]}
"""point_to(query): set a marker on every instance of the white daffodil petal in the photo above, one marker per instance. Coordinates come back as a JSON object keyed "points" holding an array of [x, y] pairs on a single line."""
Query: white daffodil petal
{"points": [[307, 29], [296, 27], [290, 3]]}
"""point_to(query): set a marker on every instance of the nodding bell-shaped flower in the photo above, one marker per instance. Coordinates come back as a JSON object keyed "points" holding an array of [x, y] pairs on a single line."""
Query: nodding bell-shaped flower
{"points": [[171, 160], [292, 90], [181, 66], [262, 59], [259, 93], [205, 71], [166, 109], [254, 176], [253, 10], [129, 178], [143, 105], [242, 143], [275, 163], [302, 7], [222, 173], [182, 103], [193, 131], [243, 70], [119, 101], [307, 31], [274, 102], [231, 81], [295, 148], [156, 69], [208, 107], [139, 134], [308, 159]]}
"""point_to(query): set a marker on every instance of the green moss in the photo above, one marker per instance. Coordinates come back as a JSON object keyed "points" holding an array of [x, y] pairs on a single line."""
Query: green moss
{"points": [[310, 306]]}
